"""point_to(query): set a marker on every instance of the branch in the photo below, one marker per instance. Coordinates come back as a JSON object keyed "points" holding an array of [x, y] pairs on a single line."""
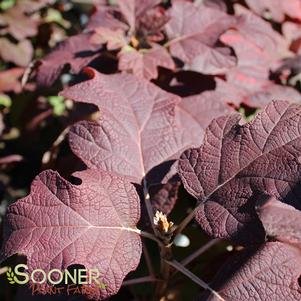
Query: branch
{"points": [[165, 254], [185, 222], [175, 264], [197, 253], [52, 153], [200, 251], [148, 260]]}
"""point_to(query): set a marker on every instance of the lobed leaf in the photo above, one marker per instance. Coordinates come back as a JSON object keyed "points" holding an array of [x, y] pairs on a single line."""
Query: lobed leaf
{"points": [[269, 273], [15, 22], [144, 64], [76, 51], [141, 126], [93, 224], [18, 53], [193, 31], [281, 221], [238, 163], [276, 9]]}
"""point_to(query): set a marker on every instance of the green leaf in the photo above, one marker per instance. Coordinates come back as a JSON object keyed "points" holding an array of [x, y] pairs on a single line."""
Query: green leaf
{"points": [[54, 16], [58, 104], [5, 100], [6, 4]]}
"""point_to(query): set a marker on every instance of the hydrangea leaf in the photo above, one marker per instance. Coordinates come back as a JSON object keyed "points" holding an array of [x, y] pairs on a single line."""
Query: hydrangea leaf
{"points": [[193, 31], [237, 163], [144, 64], [141, 126], [93, 224], [76, 51], [269, 273]]}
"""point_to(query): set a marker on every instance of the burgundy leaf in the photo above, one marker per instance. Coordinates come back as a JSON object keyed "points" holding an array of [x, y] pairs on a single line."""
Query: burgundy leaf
{"points": [[216, 4], [92, 224], [133, 9], [31, 6], [203, 108], [276, 8], [292, 33], [77, 52], [144, 63], [152, 23], [232, 93], [272, 92], [16, 23], [257, 47], [193, 31], [9, 80], [19, 54], [164, 196], [140, 127], [114, 39], [270, 273], [236, 163], [104, 17], [281, 221]]}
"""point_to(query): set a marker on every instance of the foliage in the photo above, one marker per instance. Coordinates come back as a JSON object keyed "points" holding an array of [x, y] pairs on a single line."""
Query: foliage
{"points": [[154, 128]]}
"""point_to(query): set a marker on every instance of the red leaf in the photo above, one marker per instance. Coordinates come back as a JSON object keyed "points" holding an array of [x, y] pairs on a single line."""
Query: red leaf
{"points": [[114, 39], [104, 17], [140, 127], [9, 80], [144, 63], [235, 94], [276, 8], [133, 9], [19, 54], [193, 31], [236, 163], [281, 221], [77, 52], [257, 47], [92, 224], [163, 197], [16, 23], [270, 273]]}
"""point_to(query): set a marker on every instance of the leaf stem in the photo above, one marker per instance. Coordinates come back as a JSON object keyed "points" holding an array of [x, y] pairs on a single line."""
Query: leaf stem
{"points": [[151, 236], [178, 266]]}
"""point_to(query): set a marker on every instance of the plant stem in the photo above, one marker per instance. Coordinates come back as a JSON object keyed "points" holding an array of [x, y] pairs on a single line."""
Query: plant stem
{"points": [[194, 278], [148, 204], [200, 251], [166, 254], [148, 260], [152, 237], [51, 154], [140, 280], [185, 222]]}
